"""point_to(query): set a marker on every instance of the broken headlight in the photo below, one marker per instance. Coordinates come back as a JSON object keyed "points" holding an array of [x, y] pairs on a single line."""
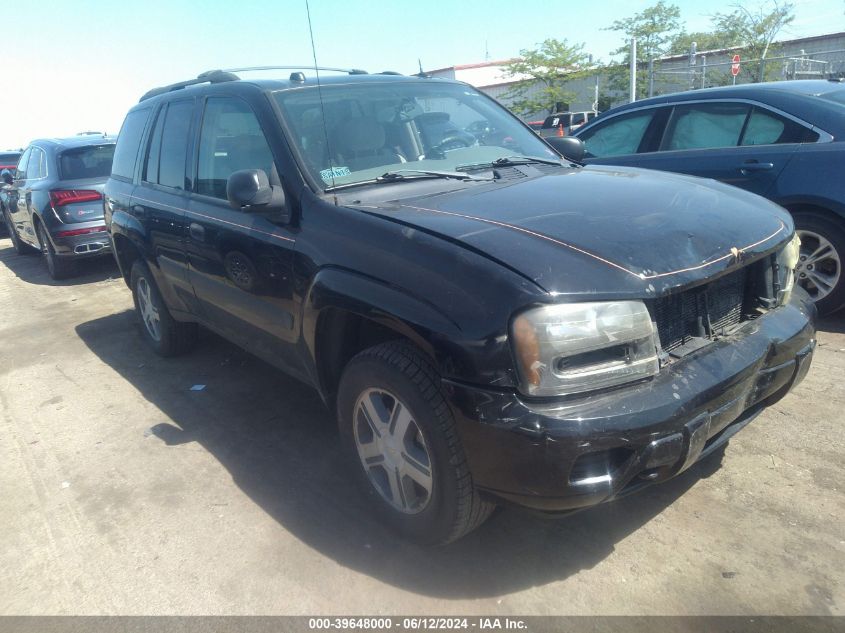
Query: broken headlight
{"points": [[787, 260], [576, 347]]}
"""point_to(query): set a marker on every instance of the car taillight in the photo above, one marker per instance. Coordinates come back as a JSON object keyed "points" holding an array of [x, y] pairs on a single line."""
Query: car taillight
{"points": [[86, 231], [62, 197]]}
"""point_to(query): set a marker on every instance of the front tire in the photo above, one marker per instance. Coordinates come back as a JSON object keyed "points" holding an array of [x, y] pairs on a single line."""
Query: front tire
{"points": [[161, 331], [399, 431], [58, 267], [822, 255], [17, 243]]}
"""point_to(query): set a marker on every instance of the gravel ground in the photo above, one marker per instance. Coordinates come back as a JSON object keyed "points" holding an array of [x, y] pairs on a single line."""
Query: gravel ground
{"points": [[127, 493]]}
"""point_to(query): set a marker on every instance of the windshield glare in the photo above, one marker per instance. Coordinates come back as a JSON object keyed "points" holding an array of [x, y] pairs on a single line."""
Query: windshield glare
{"points": [[374, 128]]}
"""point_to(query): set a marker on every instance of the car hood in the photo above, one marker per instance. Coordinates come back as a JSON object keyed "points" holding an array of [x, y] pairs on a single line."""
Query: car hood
{"points": [[602, 231]]}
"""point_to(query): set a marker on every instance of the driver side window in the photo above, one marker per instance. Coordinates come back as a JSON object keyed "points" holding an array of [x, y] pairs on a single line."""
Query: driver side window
{"points": [[619, 136], [231, 139]]}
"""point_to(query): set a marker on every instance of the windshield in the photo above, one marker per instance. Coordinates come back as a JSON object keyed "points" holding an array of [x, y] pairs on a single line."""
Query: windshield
{"points": [[373, 128], [93, 161]]}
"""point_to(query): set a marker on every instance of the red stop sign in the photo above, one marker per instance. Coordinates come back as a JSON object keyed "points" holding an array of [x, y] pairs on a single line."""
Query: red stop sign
{"points": [[735, 65]]}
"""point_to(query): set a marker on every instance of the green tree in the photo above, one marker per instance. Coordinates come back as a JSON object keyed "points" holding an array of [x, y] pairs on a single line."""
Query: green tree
{"points": [[655, 29], [704, 41], [543, 74], [755, 31]]}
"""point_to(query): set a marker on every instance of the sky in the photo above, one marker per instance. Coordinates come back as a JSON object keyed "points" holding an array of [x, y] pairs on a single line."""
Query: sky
{"points": [[87, 62]]}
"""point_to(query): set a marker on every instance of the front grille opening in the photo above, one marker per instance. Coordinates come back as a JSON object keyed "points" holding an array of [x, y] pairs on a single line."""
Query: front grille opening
{"points": [[599, 466], [690, 319]]}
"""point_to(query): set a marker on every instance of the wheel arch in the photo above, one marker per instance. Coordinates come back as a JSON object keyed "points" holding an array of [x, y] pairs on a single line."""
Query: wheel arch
{"points": [[345, 313]]}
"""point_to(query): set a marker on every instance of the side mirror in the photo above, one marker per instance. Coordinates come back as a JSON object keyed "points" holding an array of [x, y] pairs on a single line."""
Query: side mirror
{"points": [[250, 190], [6, 175], [567, 146]]}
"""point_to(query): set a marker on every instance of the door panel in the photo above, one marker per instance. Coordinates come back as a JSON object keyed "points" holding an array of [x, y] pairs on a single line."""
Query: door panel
{"points": [[160, 201], [240, 263]]}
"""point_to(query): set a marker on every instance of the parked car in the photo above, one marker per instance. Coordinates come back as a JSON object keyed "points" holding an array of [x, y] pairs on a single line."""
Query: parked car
{"points": [[782, 140], [563, 123], [9, 160], [490, 324], [53, 202]]}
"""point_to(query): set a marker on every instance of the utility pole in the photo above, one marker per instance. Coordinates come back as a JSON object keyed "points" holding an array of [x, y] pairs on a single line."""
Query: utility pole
{"points": [[633, 69]]}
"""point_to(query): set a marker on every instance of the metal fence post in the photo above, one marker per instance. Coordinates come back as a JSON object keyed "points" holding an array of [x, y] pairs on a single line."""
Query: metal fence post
{"points": [[704, 71]]}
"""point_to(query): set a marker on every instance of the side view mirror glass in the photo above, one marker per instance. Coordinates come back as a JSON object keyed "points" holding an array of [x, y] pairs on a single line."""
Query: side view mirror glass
{"points": [[567, 146], [249, 190]]}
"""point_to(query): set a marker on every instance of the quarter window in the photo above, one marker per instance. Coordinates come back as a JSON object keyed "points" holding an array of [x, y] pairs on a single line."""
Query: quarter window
{"points": [[128, 142], [230, 140], [620, 135], [767, 128]]}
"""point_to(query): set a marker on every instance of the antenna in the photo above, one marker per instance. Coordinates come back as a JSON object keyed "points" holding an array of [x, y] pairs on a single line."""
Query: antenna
{"points": [[320, 92]]}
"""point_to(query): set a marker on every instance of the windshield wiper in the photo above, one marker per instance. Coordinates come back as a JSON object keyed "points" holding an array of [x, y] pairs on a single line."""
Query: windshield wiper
{"points": [[413, 174], [400, 175], [508, 161]]}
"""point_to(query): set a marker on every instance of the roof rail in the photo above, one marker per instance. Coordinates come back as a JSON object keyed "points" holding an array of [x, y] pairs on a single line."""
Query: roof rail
{"points": [[349, 71], [210, 76]]}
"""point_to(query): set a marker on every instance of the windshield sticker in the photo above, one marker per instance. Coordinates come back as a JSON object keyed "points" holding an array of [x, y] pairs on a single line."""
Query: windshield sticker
{"points": [[334, 172]]}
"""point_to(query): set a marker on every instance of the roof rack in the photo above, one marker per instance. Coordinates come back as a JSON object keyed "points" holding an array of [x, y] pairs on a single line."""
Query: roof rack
{"points": [[349, 71], [220, 76], [211, 76]]}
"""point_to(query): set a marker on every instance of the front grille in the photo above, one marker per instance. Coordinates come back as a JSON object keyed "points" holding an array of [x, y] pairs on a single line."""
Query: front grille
{"points": [[703, 312]]}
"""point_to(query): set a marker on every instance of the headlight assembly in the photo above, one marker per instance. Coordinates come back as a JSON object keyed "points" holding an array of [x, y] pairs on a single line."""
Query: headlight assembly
{"points": [[577, 347], [787, 260]]}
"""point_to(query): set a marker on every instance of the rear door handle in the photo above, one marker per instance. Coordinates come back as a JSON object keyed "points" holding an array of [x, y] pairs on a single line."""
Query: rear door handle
{"points": [[755, 166], [197, 231]]}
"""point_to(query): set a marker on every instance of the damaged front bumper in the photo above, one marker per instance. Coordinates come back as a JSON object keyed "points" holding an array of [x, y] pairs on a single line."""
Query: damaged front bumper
{"points": [[567, 454]]}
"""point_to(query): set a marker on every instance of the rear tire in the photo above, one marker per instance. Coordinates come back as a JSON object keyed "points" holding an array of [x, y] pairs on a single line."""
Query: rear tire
{"points": [[818, 231], [432, 499], [58, 267], [165, 335]]}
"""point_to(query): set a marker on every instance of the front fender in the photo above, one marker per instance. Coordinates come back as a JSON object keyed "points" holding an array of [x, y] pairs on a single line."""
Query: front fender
{"points": [[412, 317]]}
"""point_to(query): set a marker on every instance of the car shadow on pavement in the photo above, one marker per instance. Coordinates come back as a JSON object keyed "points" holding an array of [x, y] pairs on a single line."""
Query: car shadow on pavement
{"points": [[833, 323], [31, 269], [280, 444]]}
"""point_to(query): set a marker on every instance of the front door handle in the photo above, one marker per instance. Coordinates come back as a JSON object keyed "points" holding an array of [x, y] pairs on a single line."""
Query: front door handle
{"points": [[197, 231], [752, 166]]}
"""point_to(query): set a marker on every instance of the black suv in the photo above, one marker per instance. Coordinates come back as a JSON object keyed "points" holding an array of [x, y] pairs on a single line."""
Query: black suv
{"points": [[491, 324]]}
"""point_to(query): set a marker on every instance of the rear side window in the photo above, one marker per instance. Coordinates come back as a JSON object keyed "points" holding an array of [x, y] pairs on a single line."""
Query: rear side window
{"points": [[20, 172], [705, 125], [128, 141], [231, 139], [768, 128], [86, 162], [618, 136], [174, 144], [36, 168]]}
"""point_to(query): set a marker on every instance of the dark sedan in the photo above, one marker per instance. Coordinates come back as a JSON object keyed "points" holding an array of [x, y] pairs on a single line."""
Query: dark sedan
{"points": [[53, 202], [780, 140]]}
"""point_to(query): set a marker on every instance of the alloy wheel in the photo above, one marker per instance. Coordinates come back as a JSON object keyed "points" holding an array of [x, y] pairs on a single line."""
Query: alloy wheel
{"points": [[393, 451], [149, 312], [819, 265]]}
